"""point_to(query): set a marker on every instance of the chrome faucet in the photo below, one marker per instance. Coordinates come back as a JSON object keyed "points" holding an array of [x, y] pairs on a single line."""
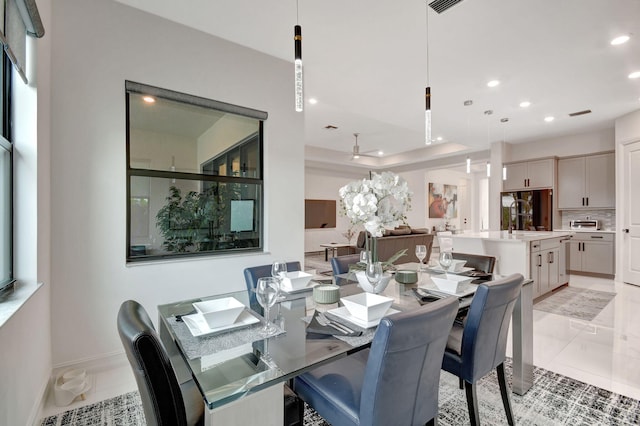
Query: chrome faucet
{"points": [[514, 204]]}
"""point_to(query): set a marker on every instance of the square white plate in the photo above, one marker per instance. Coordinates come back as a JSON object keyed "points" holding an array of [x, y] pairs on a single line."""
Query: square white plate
{"points": [[198, 326], [439, 270], [343, 313], [466, 290]]}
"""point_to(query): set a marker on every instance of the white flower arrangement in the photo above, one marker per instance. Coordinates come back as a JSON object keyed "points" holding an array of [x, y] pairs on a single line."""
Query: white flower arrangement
{"points": [[378, 203]]}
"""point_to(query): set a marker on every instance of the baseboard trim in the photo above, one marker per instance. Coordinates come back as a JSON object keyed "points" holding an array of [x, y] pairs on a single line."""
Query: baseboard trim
{"points": [[38, 406]]}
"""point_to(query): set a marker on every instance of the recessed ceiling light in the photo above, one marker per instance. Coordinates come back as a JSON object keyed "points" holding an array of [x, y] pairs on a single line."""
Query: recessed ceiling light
{"points": [[149, 99], [380, 153], [313, 101], [493, 83], [549, 119], [439, 138], [525, 104], [634, 74], [620, 40]]}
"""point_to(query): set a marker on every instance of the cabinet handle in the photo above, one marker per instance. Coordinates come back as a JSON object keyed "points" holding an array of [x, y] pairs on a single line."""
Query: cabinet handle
{"points": [[539, 260], [626, 231], [583, 201], [587, 201], [551, 257], [597, 236]]}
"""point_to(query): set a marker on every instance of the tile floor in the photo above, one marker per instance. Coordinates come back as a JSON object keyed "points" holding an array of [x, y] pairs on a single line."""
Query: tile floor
{"points": [[604, 352]]}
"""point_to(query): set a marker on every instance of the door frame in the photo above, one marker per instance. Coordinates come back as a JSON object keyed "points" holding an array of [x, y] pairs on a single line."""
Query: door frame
{"points": [[621, 210]]}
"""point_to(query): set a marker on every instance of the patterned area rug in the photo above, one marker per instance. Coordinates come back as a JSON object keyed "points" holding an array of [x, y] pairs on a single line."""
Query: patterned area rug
{"points": [[576, 303], [553, 400]]}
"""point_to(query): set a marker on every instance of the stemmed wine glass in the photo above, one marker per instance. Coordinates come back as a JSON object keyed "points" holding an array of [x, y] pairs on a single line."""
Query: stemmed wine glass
{"points": [[421, 253], [279, 271], [445, 260], [267, 294], [374, 274]]}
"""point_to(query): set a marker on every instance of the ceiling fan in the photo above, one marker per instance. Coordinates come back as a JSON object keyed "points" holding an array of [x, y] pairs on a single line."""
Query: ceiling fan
{"points": [[355, 154]]}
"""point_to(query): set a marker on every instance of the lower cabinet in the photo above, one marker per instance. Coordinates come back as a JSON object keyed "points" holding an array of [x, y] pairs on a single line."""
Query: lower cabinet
{"points": [[545, 266], [592, 252]]}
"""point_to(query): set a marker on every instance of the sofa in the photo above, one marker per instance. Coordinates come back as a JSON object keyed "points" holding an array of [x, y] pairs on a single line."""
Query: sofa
{"points": [[398, 239]]}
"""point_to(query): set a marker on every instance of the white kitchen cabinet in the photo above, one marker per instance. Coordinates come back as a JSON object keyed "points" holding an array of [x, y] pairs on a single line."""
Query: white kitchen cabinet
{"points": [[545, 267], [587, 182], [592, 252], [530, 175]]}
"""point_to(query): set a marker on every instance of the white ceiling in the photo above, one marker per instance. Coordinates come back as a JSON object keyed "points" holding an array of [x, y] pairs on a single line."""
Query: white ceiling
{"points": [[366, 63]]}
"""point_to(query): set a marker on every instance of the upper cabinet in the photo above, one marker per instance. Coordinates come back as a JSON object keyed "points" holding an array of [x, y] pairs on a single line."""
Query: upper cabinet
{"points": [[529, 175], [587, 182]]}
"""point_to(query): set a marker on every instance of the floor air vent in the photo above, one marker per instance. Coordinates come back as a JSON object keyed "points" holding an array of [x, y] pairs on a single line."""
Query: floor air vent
{"points": [[442, 5]]}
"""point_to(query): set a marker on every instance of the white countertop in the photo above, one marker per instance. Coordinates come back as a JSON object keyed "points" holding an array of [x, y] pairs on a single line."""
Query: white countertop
{"points": [[516, 236]]}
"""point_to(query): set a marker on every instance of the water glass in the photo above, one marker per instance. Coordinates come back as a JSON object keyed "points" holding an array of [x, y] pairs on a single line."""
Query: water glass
{"points": [[445, 260], [267, 290], [421, 253], [374, 273]]}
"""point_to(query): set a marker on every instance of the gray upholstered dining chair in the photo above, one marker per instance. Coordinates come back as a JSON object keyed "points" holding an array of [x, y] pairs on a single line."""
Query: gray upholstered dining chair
{"points": [[251, 276], [340, 264], [478, 262], [395, 382], [478, 346], [164, 400]]}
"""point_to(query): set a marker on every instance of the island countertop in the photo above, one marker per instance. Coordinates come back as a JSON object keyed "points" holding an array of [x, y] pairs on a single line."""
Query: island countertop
{"points": [[516, 236]]}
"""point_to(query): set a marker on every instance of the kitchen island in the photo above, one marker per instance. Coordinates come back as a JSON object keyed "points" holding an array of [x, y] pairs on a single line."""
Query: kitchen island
{"points": [[535, 255]]}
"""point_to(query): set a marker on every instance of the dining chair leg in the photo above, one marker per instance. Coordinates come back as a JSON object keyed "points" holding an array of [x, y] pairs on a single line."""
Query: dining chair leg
{"points": [[504, 391], [472, 403], [461, 383], [431, 422]]}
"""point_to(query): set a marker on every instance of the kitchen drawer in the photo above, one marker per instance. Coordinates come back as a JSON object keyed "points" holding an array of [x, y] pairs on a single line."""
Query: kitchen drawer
{"points": [[594, 236]]}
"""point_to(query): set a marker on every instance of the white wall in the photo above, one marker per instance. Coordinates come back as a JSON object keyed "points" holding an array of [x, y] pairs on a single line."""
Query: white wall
{"points": [[565, 146], [324, 184], [97, 46], [25, 339]]}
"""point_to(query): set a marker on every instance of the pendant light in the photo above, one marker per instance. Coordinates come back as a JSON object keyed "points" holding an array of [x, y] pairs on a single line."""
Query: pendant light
{"points": [[504, 139], [297, 43], [427, 92]]}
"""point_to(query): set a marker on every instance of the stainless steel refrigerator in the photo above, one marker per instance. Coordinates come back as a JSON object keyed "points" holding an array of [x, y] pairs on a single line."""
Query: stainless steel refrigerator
{"points": [[527, 210]]}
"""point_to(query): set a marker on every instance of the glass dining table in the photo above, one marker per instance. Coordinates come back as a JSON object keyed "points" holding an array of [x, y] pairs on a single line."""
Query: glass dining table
{"points": [[230, 365]]}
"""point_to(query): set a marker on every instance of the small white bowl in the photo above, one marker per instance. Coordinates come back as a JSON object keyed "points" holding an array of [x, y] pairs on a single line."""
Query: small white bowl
{"points": [[295, 280], [367, 306], [452, 283], [220, 312], [457, 265]]}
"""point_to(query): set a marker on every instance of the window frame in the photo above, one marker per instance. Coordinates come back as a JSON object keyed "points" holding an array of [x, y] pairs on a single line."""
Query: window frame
{"points": [[6, 143], [258, 181]]}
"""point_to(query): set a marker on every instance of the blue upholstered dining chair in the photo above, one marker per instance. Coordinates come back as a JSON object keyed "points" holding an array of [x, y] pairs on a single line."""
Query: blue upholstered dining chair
{"points": [[251, 276], [395, 382], [340, 264], [478, 346], [164, 400]]}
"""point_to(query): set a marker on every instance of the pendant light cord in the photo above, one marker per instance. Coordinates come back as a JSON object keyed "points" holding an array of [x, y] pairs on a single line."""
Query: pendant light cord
{"points": [[297, 12], [427, 37]]}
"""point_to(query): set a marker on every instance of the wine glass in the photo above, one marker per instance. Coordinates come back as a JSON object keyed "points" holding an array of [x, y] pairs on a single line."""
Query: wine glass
{"points": [[279, 271], [445, 260], [267, 294], [374, 274], [421, 253]]}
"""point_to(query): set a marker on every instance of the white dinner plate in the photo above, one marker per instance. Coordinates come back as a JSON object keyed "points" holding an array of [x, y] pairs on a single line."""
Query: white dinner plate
{"points": [[439, 270], [466, 290], [343, 312], [198, 326]]}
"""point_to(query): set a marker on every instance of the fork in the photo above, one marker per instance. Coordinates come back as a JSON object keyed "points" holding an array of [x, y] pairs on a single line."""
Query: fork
{"points": [[323, 320]]}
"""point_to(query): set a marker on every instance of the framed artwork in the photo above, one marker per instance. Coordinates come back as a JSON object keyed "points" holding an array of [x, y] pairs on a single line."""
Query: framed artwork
{"points": [[442, 201]]}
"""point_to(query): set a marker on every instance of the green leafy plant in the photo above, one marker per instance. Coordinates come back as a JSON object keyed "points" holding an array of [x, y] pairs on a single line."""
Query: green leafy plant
{"points": [[190, 223]]}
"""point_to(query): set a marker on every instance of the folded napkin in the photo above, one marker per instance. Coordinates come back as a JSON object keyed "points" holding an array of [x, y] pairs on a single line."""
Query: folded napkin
{"points": [[316, 327]]}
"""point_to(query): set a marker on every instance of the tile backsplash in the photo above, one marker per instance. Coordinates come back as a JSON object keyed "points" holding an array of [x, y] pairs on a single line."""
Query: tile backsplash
{"points": [[607, 218]]}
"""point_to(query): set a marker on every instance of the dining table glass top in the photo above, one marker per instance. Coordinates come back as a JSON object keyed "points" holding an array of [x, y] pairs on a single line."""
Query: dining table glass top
{"points": [[228, 364]]}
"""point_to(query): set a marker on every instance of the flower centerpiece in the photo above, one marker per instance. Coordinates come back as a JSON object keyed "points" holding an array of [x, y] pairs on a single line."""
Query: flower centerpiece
{"points": [[377, 204]]}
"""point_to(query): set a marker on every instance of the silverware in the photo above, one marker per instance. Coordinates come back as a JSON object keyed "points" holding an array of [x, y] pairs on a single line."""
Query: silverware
{"points": [[323, 320]]}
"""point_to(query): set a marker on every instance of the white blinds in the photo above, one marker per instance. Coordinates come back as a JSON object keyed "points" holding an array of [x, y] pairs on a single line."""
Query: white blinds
{"points": [[19, 18]]}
